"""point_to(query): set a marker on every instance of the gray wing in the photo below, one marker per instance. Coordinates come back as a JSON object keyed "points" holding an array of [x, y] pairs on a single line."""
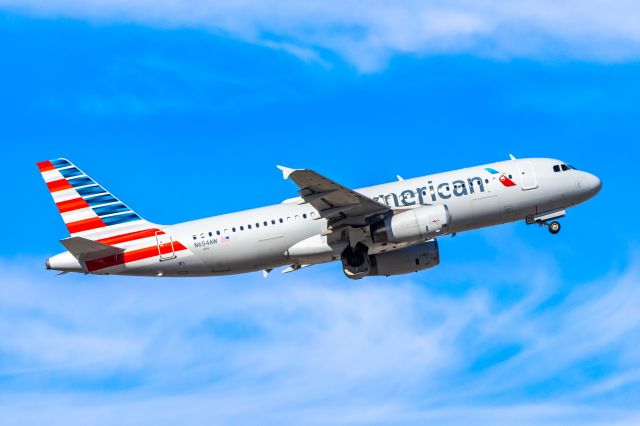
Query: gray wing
{"points": [[338, 204]]}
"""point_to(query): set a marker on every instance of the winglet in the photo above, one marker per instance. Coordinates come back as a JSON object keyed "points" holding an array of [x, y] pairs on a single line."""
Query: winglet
{"points": [[286, 171], [512, 157], [399, 177]]}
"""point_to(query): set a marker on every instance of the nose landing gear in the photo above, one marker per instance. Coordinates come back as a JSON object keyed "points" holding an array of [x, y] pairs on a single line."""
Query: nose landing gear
{"points": [[548, 219], [554, 227]]}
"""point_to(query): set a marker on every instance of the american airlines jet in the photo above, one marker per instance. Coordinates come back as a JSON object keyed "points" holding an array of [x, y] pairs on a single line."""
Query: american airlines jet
{"points": [[381, 230]]}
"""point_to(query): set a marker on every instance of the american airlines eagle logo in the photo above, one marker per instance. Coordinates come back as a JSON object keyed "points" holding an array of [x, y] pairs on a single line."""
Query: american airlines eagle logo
{"points": [[504, 179]]}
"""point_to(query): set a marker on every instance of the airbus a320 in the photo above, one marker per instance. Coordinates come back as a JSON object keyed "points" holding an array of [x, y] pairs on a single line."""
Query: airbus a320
{"points": [[382, 230]]}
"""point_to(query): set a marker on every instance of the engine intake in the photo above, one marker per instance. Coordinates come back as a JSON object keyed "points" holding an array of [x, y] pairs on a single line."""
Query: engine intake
{"points": [[356, 261]]}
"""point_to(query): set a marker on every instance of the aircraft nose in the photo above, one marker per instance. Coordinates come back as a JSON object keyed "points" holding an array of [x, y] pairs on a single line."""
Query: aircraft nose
{"points": [[592, 184]]}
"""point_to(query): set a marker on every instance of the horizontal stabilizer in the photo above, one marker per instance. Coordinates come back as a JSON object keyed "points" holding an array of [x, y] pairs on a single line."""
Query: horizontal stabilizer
{"points": [[84, 249]]}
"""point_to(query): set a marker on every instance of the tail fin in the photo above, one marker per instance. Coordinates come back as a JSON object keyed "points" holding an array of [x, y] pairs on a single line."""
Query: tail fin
{"points": [[86, 208]]}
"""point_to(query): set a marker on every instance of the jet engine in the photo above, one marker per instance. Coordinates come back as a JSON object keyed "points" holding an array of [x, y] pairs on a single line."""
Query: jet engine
{"points": [[403, 261], [356, 263], [423, 223]]}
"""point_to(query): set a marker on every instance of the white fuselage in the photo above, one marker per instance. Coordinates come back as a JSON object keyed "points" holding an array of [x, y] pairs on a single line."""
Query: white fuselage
{"points": [[476, 197]]}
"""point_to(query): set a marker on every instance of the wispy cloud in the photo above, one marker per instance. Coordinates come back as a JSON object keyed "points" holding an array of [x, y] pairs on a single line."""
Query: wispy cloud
{"points": [[319, 348], [367, 34]]}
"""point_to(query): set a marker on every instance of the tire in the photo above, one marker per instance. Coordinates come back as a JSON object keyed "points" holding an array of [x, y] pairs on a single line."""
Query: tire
{"points": [[554, 227]]}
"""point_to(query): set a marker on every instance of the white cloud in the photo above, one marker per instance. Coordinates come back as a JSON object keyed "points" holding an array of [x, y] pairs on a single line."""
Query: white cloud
{"points": [[318, 347], [368, 33]]}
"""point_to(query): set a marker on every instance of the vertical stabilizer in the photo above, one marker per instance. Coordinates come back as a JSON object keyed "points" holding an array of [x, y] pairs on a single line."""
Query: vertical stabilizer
{"points": [[87, 209]]}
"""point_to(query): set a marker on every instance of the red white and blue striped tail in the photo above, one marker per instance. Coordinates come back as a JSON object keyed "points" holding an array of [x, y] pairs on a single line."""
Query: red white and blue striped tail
{"points": [[88, 210]]}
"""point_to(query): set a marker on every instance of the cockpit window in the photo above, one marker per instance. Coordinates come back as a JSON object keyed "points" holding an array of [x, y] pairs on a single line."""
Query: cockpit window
{"points": [[564, 167], [556, 168]]}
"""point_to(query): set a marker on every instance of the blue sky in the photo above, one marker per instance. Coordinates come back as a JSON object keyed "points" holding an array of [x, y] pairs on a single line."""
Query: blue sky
{"points": [[184, 114]]}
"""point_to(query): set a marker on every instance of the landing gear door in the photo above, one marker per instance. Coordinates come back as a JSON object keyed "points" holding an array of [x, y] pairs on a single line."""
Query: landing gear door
{"points": [[165, 246], [527, 175]]}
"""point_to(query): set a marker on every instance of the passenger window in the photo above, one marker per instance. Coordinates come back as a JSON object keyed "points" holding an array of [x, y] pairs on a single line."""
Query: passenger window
{"points": [[281, 221], [248, 226], [273, 221], [210, 234], [242, 228], [257, 225], [217, 232], [233, 229], [556, 168], [264, 223], [194, 237], [304, 215]]}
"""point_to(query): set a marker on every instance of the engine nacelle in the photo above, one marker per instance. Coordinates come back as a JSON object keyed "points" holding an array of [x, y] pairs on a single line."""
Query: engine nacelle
{"points": [[423, 223], [403, 261]]}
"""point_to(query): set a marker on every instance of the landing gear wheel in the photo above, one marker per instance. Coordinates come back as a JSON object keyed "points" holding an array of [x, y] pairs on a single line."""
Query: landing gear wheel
{"points": [[554, 227]]}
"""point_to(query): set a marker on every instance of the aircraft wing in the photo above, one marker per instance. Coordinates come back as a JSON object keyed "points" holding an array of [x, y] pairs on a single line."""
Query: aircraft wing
{"points": [[340, 205]]}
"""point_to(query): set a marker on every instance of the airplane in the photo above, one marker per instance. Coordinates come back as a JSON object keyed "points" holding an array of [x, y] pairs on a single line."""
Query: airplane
{"points": [[383, 230]]}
